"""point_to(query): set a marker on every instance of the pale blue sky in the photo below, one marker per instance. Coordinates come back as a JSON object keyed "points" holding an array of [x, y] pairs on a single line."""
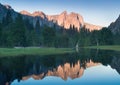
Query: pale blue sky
{"points": [[99, 12]]}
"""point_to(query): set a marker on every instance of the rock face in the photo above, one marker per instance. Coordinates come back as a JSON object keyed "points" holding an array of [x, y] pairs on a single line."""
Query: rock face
{"points": [[66, 20], [63, 20], [25, 13], [92, 27], [4, 9], [115, 26], [8, 7]]}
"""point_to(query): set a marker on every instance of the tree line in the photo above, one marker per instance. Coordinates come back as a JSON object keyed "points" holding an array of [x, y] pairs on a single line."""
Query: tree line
{"points": [[21, 33]]}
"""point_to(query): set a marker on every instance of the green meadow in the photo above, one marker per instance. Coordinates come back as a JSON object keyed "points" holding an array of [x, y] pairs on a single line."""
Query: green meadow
{"points": [[111, 47], [33, 51]]}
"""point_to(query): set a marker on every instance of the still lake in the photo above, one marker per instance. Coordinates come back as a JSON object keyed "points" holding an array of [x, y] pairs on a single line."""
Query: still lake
{"points": [[86, 67]]}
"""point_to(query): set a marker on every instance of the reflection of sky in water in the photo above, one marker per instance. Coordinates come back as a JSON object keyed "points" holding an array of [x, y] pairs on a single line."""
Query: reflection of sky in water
{"points": [[97, 75]]}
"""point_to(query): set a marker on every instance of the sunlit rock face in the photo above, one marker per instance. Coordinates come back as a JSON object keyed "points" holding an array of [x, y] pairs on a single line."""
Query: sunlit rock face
{"points": [[67, 20], [39, 13], [64, 71], [64, 19], [34, 14], [92, 27], [25, 13]]}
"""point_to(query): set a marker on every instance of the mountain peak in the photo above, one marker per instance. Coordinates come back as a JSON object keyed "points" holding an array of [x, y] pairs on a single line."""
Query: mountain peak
{"points": [[119, 16], [73, 13], [76, 15], [64, 13], [24, 12], [118, 19], [115, 26], [34, 14], [8, 6], [38, 13]]}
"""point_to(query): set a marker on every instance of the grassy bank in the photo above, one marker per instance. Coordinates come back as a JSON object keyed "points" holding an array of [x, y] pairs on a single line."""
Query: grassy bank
{"points": [[111, 47], [33, 51]]}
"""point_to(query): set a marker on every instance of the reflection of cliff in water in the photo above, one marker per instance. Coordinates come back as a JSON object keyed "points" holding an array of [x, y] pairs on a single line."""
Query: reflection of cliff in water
{"points": [[63, 71], [64, 66]]}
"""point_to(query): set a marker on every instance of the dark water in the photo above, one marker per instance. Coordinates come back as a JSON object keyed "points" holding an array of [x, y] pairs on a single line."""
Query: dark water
{"points": [[88, 67]]}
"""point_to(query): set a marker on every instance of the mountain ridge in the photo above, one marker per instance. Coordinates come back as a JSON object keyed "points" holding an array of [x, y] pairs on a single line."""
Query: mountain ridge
{"points": [[64, 19]]}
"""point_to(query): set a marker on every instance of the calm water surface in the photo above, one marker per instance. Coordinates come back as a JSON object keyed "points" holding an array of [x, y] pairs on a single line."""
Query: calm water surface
{"points": [[88, 67]]}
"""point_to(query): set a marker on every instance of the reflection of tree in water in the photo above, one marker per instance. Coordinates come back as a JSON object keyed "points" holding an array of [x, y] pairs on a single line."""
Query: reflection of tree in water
{"points": [[12, 68]]}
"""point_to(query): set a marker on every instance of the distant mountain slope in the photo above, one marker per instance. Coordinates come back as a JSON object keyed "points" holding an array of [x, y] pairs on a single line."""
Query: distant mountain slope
{"points": [[92, 27], [4, 9], [115, 26]]}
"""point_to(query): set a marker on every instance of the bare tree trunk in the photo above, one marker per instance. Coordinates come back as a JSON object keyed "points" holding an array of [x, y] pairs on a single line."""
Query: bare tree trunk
{"points": [[77, 48], [97, 42]]}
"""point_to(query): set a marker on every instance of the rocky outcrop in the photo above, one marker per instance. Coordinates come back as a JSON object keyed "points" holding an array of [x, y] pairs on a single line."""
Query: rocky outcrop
{"points": [[66, 20], [92, 27], [115, 26], [35, 14], [25, 13], [4, 9], [39, 13]]}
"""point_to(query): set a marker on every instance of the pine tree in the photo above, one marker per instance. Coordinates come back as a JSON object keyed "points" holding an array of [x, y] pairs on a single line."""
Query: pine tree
{"points": [[84, 37], [7, 25], [0, 34], [48, 36], [19, 32]]}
